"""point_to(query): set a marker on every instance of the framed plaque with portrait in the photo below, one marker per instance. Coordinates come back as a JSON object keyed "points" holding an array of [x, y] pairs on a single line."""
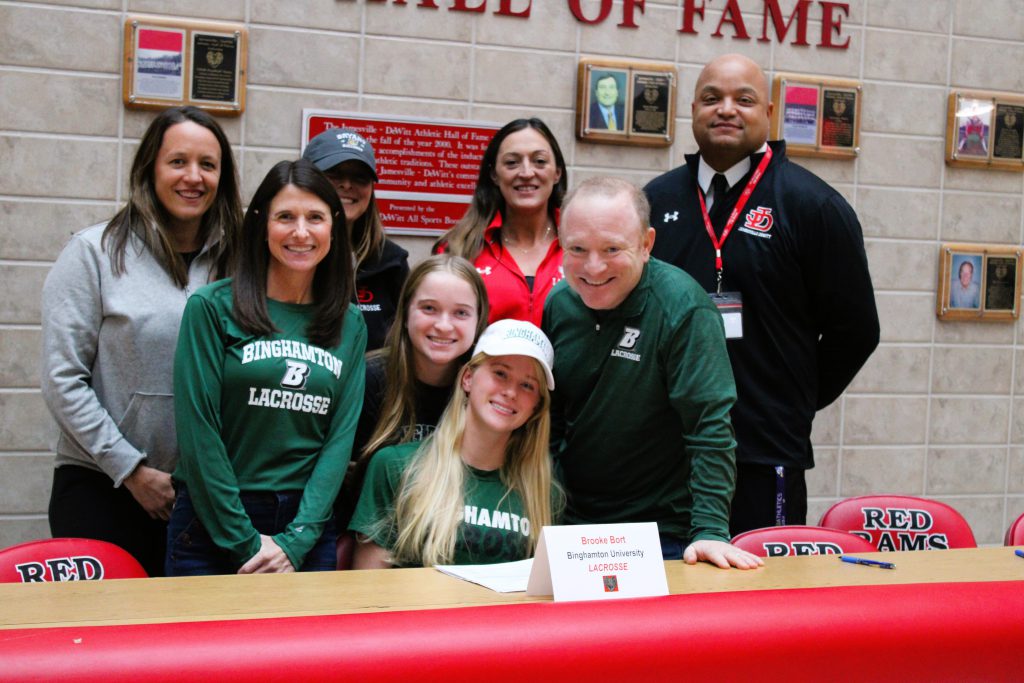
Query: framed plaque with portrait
{"points": [[175, 62], [985, 130], [816, 116], [979, 282], [625, 103]]}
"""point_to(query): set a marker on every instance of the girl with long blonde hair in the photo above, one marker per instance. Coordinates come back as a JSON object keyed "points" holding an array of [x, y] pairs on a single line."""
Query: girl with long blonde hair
{"points": [[441, 311], [480, 488]]}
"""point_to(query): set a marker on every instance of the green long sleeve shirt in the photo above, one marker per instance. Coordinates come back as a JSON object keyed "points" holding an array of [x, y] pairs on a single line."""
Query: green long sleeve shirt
{"points": [[271, 413], [640, 418]]}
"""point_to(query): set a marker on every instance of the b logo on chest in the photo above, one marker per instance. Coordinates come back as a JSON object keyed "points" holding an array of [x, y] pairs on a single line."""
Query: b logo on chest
{"points": [[629, 338], [630, 335], [295, 375]]}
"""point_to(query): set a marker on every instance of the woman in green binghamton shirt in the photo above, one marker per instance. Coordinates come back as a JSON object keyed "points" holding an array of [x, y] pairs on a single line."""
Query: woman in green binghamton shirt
{"points": [[479, 489], [268, 381]]}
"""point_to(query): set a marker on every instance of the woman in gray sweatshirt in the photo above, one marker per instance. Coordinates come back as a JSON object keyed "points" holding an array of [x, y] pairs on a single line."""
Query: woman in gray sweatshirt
{"points": [[111, 309]]}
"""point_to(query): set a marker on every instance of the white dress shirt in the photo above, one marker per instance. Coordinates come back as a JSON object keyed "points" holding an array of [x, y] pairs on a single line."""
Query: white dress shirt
{"points": [[733, 175]]}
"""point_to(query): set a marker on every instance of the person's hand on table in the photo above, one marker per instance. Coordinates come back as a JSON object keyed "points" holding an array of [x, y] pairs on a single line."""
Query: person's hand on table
{"points": [[153, 490], [720, 554], [269, 560]]}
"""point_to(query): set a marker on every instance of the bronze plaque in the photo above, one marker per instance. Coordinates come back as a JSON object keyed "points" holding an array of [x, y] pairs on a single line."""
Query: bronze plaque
{"points": [[1009, 132], [839, 107], [214, 67], [1000, 283], [650, 103]]}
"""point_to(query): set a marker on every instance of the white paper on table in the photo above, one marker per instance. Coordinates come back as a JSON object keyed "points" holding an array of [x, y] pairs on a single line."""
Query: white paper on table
{"points": [[504, 577]]}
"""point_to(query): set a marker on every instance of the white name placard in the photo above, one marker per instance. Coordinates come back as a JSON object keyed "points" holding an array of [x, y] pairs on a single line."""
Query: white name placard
{"points": [[598, 562]]}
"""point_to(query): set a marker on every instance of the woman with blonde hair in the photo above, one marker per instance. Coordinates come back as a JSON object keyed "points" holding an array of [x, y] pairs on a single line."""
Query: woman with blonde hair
{"points": [[441, 311], [480, 488], [510, 231]]}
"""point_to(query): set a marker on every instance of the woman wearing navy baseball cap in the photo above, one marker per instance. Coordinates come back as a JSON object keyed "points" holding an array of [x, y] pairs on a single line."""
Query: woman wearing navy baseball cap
{"points": [[347, 159]]}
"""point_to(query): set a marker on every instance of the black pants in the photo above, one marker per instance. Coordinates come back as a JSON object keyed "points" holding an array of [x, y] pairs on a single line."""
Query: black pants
{"points": [[85, 504], [754, 505]]}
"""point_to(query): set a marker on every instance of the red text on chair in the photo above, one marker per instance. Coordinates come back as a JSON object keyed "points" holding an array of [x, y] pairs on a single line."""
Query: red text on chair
{"points": [[79, 568]]}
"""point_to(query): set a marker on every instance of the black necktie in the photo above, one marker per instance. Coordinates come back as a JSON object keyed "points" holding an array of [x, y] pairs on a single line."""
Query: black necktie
{"points": [[719, 186]]}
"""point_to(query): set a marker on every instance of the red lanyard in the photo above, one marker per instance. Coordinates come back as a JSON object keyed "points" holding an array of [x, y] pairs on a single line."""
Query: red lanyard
{"points": [[740, 203]]}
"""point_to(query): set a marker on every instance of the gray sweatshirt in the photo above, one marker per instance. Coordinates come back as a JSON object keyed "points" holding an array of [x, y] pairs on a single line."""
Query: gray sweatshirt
{"points": [[108, 355]]}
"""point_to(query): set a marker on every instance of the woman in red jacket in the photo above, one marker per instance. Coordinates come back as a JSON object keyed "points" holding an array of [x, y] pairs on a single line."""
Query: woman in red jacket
{"points": [[510, 231]]}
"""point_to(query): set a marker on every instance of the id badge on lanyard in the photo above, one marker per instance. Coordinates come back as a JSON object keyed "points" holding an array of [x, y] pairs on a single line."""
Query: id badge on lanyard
{"points": [[730, 304]]}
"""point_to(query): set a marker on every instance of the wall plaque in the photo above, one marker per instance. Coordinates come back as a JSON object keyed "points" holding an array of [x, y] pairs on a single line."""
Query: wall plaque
{"points": [[176, 62], [427, 168], [625, 103], [979, 282], [816, 116], [985, 130]]}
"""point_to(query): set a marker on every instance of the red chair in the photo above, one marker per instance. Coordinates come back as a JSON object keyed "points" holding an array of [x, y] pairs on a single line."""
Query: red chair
{"points": [[781, 541], [67, 559], [901, 522], [1015, 534]]}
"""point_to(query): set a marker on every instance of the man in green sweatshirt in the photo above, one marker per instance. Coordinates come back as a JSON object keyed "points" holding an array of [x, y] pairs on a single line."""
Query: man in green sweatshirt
{"points": [[641, 429]]}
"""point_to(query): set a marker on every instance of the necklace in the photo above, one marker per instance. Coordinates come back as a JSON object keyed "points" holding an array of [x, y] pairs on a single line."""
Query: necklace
{"points": [[527, 250]]}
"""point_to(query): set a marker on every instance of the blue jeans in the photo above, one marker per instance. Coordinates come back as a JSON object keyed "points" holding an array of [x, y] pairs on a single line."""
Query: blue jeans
{"points": [[191, 551]]}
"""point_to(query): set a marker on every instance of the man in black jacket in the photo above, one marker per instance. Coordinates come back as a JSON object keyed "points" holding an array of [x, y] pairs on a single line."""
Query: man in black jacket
{"points": [[783, 256]]}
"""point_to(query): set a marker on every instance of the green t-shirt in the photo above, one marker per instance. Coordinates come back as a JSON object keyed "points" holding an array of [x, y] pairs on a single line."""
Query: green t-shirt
{"points": [[493, 529], [272, 413]]}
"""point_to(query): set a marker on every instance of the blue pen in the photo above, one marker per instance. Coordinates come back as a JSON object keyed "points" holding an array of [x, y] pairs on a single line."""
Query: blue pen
{"points": [[1019, 553], [867, 563]]}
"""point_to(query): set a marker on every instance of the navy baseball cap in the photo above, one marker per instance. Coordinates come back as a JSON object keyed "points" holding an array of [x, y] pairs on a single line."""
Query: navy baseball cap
{"points": [[336, 145]]}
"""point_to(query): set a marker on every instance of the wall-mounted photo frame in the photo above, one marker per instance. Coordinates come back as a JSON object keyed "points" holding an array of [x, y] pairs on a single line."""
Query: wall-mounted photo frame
{"points": [[985, 129], [979, 282], [175, 62], [817, 116], [626, 103]]}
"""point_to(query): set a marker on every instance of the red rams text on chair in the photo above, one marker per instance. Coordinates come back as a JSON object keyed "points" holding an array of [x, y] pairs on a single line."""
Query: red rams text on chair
{"points": [[901, 522], [1015, 534], [782, 541], [67, 559]]}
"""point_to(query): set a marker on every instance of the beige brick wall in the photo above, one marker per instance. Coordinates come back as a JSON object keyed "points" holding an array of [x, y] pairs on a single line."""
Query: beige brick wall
{"points": [[937, 411]]}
